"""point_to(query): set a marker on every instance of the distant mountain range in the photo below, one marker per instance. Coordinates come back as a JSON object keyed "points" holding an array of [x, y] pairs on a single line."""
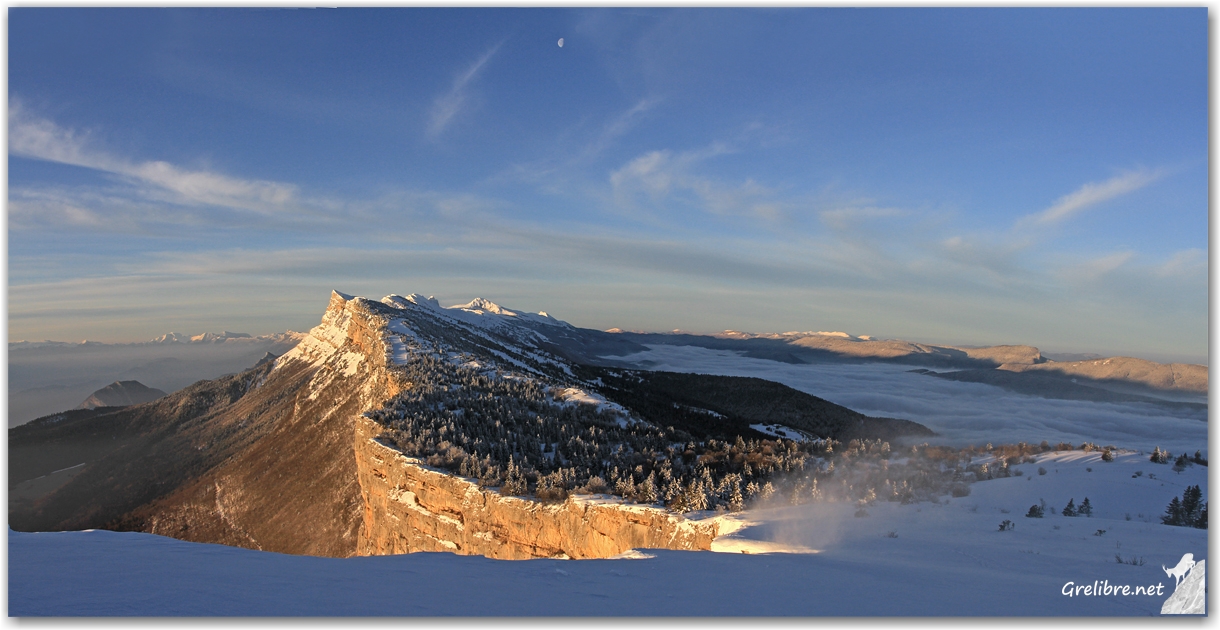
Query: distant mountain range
{"points": [[169, 338]]}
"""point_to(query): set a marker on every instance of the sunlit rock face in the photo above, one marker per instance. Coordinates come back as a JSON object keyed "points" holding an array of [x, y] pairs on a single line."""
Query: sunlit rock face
{"points": [[318, 482], [410, 507]]}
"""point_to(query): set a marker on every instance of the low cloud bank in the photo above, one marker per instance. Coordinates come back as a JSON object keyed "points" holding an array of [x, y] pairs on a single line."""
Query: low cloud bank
{"points": [[48, 378], [962, 413]]}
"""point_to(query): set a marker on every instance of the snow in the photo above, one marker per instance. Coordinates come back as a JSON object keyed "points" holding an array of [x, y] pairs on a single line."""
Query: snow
{"points": [[479, 312], [351, 363], [816, 559], [945, 558], [779, 430], [576, 396]]}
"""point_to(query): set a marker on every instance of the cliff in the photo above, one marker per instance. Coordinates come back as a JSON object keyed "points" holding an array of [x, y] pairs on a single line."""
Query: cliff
{"points": [[409, 507], [295, 489], [319, 483]]}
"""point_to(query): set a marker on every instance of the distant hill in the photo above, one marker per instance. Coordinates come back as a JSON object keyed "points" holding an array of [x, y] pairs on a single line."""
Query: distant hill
{"points": [[121, 394]]}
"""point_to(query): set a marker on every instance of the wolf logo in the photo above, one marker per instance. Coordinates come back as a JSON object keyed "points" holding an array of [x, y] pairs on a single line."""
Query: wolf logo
{"points": [[1179, 572]]}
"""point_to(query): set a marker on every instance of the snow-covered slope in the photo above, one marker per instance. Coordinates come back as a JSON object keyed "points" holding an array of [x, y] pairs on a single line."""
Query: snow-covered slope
{"points": [[944, 559]]}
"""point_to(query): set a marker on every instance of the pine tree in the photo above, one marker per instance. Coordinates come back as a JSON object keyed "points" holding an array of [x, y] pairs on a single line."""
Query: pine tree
{"points": [[1181, 463], [1070, 508], [1035, 511], [737, 502], [1173, 513], [1192, 499], [646, 490], [1085, 508]]}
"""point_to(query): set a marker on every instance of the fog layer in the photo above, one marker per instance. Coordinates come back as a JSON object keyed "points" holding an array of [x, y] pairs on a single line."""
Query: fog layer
{"points": [[962, 413]]}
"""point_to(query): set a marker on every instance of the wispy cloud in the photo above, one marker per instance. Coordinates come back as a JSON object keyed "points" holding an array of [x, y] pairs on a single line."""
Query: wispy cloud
{"points": [[1092, 194], [665, 178], [619, 125], [1184, 263], [34, 137], [1091, 270], [844, 218], [450, 103]]}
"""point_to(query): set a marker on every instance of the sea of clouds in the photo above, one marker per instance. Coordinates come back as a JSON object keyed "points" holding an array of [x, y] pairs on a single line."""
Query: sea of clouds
{"points": [[961, 413]]}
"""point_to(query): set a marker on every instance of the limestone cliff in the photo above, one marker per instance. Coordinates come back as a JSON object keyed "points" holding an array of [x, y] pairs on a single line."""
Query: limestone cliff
{"points": [[318, 482], [295, 489], [409, 507]]}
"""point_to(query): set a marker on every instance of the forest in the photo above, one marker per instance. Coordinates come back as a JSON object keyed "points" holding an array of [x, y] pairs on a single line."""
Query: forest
{"points": [[685, 442]]}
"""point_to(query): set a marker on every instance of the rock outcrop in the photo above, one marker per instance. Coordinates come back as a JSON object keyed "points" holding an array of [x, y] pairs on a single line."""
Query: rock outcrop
{"points": [[409, 507]]}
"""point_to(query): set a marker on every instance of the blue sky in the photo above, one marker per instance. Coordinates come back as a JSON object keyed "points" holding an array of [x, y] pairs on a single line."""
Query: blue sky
{"points": [[970, 176]]}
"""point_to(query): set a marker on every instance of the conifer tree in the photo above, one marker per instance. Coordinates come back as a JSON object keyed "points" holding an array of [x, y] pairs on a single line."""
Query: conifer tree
{"points": [[737, 502], [1085, 508], [1192, 499], [1070, 508], [646, 490], [1173, 513]]}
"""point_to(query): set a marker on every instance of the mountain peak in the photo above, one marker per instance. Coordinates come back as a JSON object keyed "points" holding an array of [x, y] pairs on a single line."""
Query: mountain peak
{"points": [[487, 306], [121, 394]]}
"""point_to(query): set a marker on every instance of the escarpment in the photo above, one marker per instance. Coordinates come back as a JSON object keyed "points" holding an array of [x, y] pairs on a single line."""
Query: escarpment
{"points": [[409, 507], [318, 482], [295, 490], [363, 440]]}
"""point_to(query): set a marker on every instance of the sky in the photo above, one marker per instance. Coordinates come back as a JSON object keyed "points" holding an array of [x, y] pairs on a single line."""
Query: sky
{"points": [[966, 176]]}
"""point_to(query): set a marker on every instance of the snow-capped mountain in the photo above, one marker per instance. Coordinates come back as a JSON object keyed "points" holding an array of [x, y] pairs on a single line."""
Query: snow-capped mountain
{"points": [[220, 337]]}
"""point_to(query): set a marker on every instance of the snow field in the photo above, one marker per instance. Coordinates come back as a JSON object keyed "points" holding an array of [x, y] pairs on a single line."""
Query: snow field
{"points": [[941, 559]]}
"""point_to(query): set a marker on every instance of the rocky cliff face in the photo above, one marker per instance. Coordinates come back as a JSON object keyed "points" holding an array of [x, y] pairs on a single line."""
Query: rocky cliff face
{"points": [[409, 507], [295, 490], [318, 482]]}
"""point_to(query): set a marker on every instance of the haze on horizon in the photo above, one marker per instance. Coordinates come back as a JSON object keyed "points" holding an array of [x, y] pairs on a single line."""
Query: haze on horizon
{"points": [[964, 176]]}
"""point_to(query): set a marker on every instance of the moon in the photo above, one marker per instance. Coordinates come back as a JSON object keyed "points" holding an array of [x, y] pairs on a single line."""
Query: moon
{"points": [[561, 42]]}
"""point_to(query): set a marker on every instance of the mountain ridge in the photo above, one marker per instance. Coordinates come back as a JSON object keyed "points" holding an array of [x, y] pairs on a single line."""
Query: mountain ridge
{"points": [[272, 458]]}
